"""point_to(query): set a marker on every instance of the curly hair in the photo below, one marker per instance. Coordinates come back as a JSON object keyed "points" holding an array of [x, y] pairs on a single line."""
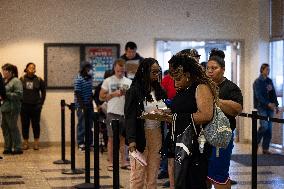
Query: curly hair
{"points": [[197, 74], [142, 79]]}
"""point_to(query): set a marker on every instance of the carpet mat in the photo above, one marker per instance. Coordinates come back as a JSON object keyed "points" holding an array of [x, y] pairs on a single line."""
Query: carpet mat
{"points": [[262, 160]]}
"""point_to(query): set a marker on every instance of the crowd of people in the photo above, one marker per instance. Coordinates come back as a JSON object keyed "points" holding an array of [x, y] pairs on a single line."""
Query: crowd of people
{"points": [[184, 100], [154, 111]]}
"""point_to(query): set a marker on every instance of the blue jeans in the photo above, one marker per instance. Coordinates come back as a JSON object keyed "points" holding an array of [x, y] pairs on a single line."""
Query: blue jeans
{"points": [[81, 125], [265, 130]]}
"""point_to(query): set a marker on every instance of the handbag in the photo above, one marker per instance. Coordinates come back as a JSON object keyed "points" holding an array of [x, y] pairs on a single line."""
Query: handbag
{"points": [[218, 132], [184, 141]]}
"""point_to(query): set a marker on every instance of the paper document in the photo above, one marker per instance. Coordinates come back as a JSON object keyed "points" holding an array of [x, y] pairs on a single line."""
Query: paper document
{"points": [[139, 157]]}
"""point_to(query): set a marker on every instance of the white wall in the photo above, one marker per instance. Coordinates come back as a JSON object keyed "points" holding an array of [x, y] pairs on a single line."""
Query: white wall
{"points": [[27, 24]]}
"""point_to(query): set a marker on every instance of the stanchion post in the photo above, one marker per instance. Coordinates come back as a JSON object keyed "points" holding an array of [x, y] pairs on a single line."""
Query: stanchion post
{"points": [[254, 151], [87, 144], [63, 160], [115, 129], [87, 183], [96, 151], [73, 169]]}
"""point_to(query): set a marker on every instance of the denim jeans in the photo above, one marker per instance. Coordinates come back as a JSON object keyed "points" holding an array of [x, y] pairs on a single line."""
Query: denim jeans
{"points": [[265, 130], [81, 125]]}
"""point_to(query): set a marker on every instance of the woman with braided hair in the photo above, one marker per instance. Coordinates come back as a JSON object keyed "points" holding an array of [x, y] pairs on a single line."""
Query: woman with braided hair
{"points": [[144, 135], [192, 107]]}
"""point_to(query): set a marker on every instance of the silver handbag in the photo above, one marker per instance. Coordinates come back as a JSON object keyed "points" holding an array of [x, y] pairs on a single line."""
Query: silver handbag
{"points": [[218, 132]]}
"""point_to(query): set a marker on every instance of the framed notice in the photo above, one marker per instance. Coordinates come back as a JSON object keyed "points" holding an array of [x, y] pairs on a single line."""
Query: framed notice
{"points": [[62, 62], [101, 56]]}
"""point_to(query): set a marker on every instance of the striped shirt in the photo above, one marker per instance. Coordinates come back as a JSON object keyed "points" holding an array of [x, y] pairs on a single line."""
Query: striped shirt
{"points": [[83, 87]]}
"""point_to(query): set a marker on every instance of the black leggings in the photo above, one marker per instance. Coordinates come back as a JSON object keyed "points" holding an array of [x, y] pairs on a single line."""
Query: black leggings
{"points": [[191, 174], [30, 114]]}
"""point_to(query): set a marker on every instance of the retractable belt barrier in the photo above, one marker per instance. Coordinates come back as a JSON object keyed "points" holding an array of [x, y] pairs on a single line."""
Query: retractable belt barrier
{"points": [[95, 115], [254, 117], [115, 126]]}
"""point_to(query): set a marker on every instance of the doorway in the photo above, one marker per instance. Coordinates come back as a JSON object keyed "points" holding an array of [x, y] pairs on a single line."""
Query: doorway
{"points": [[165, 49]]}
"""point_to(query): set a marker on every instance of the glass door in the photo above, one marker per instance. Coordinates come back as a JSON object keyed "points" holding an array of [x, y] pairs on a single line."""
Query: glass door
{"points": [[276, 74]]}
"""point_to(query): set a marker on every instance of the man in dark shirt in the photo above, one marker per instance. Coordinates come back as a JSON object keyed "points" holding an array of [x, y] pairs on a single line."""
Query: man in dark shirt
{"points": [[265, 101], [132, 59]]}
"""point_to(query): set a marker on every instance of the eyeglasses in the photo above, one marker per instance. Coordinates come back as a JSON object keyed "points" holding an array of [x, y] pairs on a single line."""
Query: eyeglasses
{"points": [[156, 72]]}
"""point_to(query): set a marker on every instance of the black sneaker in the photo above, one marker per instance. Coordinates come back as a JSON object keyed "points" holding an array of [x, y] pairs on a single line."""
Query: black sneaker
{"points": [[7, 152], [17, 152], [166, 184], [163, 175], [82, 147]]}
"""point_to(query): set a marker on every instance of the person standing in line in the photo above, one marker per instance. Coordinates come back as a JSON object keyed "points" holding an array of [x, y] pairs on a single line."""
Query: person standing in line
{"points": [[113, 91], [191, 108], [132, 58], [2, 95], [2, 89], [102, 110], [11, 109], [145, 95], [265, 101], [83, 86], [34, 92], [231, 103]]}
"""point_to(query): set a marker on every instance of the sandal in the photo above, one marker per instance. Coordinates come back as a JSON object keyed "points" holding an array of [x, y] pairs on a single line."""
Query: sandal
{"points": [[110, 168], [126, 167]]}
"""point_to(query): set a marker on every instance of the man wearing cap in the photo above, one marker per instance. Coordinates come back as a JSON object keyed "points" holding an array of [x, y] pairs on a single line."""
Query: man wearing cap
{"points": [[83, 86]]}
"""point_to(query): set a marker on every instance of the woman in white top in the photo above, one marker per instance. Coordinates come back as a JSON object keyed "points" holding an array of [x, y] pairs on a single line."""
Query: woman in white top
{"points": [[144, 136]]}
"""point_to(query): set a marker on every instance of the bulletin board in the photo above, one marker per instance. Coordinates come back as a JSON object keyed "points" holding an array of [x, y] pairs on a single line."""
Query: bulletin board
{"points": [[62, 62]]}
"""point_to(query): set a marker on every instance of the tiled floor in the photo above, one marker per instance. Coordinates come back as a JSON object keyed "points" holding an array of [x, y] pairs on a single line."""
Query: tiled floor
{"points": [[35, 169]]}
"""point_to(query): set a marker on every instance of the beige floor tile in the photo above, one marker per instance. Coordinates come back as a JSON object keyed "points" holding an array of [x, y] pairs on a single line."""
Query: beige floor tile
{"points": [[36, 170]]}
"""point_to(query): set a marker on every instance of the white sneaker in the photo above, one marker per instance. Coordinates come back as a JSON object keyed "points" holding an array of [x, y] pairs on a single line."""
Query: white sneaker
{"points": [[82, 147]]}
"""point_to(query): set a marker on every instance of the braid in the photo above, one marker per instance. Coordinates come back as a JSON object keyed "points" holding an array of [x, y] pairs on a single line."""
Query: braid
{"points": [[142, 79], [195, 70]]}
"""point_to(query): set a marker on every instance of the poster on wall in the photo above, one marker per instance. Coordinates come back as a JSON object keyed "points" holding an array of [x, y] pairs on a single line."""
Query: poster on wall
{"points": [[61, 65], [101, 56], [62, 62]]}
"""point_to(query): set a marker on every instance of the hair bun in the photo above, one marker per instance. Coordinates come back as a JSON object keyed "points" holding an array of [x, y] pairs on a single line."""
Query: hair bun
{"points": [[217, 52]]}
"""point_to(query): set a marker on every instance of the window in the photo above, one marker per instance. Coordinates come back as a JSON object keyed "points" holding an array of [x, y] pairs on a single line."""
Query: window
{"points": [[165, 49], [276, 71]]}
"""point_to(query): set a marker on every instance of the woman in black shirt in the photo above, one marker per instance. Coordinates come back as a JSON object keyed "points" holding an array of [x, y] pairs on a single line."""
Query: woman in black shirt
{"points": [[191, 107]]}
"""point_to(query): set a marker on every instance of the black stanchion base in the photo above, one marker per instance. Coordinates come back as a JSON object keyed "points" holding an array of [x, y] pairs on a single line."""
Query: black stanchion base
{"points": [[85, 185], [62, 162], [73, 172]]}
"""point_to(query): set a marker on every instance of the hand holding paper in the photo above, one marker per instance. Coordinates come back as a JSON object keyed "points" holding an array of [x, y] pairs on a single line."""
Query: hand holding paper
{"points": [[159, 115]]}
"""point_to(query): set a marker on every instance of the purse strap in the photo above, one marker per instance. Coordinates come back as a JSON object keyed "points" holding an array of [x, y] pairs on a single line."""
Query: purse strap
{"points": [[174, 125]]}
